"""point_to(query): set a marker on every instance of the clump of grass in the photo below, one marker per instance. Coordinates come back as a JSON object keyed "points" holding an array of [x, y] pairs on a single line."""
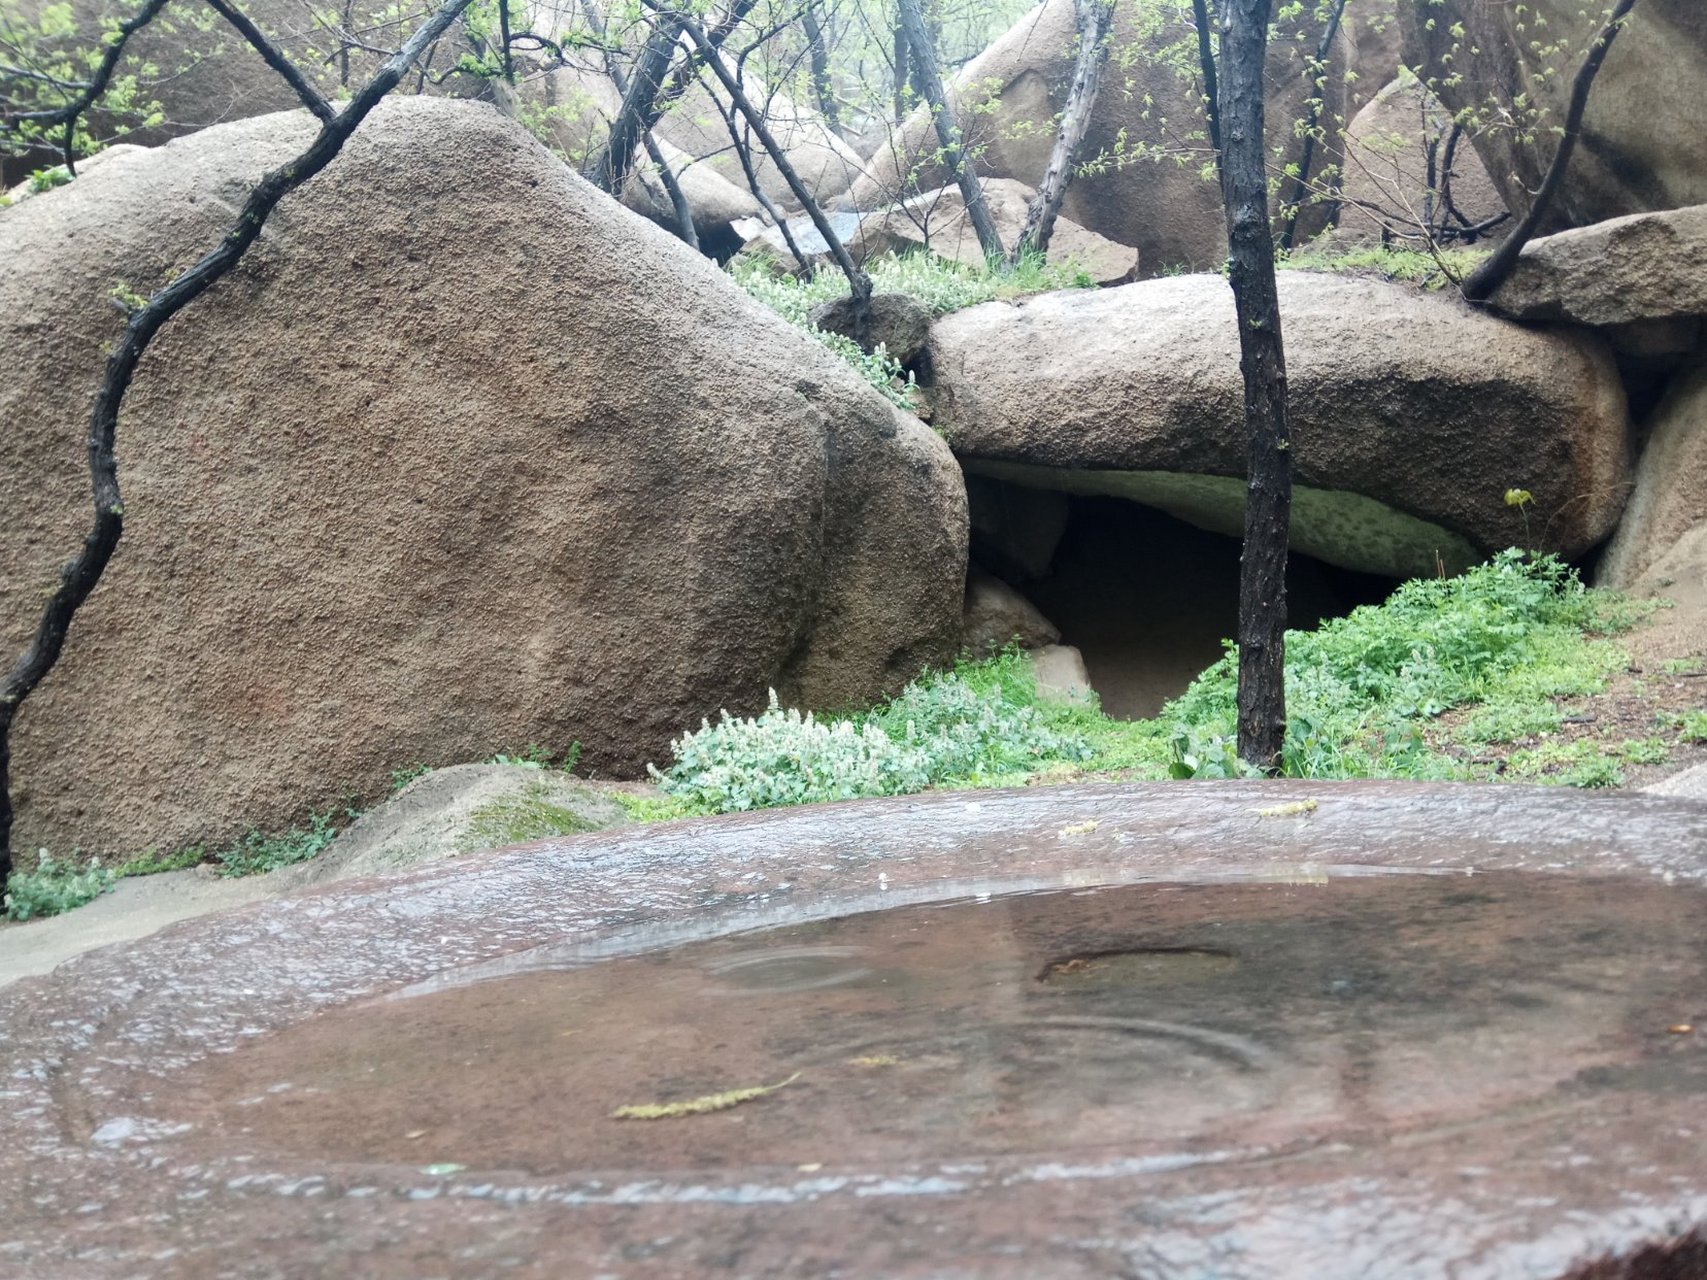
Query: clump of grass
{"points": [[939, 285], [1508, 635], [54, 887], [1415, 266], [256, 854], [151, 862]]}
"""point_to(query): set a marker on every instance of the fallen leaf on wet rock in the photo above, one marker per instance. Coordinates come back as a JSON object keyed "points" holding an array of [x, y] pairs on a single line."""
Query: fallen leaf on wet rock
{"points": [[698, 1106]]}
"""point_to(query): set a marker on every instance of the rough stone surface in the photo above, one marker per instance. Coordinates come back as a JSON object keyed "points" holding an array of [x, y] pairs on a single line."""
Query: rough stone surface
{"points": [[1168, 211], [1412, 414], [1059, 670], [1386, 169], [390, 499], [1015, 529], [937, 221], [1642, 147], [1670, 493], [1465, 1083], [1374, 40], [1643, 268], [996, 615], [463, 809], [582, 100], [899, 323]]}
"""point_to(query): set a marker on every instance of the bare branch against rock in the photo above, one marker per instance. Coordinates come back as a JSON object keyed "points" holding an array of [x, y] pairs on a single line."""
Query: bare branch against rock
{"points": [[859, 283], [79, 576], [1094, 20], [928, 76], [1317, 71], [1482, 282], [609, 170], [1268, 467]]}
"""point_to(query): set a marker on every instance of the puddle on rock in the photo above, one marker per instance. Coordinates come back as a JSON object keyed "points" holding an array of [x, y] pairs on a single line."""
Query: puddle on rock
{"points": [[1153, 1019]]}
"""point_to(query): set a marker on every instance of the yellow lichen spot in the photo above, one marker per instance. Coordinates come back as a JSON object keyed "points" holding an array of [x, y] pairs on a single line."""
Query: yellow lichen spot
{"points": [[1080, 828], [1294, 810], [698, 1106], [876, 1060]]}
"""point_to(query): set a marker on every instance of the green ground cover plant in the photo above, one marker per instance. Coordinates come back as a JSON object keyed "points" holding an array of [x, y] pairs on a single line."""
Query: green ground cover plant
{"points": [[941, 286], [54, 887], [1367, 693]]}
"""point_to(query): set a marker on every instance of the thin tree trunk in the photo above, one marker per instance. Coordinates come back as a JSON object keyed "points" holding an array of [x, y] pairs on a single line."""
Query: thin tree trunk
{"points": [[80, 575], [818, 52], [929, 78], [903, 77], [859, 284], [1262, 358], [678, 199], [1312, 123], [1482, 282], [1094, 19], [609, 170], [1206, 61]]}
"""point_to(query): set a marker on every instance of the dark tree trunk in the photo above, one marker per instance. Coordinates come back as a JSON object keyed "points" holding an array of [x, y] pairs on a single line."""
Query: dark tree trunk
{"points": [[1268, 478], [1094, 19], [818, 51], [928, 76], [1312, 124], [636, 116], [80, 575], [859, 284], [1482, 282], [903, 77]]}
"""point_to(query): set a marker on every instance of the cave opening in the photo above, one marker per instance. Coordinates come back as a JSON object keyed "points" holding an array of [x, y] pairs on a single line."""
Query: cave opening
{"points": [[1145, 598]]}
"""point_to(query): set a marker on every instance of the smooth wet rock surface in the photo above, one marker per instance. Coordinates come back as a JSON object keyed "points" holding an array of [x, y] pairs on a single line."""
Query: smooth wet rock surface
{"points": [[1153, 1030]]}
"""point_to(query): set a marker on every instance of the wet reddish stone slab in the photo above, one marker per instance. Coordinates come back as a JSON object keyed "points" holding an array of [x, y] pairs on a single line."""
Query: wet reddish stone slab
{"points": [[1334, 1072]]}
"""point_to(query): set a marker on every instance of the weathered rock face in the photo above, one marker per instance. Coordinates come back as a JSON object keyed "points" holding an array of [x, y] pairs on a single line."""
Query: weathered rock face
{"points": [[937, 221], [1386, 179], [1670, 495], [464, 457], [997, 615], [1374, 40], [1637, 270], [1411, 414], [897, 322], [1642, 148], [1170, 212], [582, 102]]}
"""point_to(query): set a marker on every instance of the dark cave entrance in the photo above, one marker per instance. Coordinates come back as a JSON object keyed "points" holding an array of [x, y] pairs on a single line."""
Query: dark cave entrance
{"points": [[1146, 599]]}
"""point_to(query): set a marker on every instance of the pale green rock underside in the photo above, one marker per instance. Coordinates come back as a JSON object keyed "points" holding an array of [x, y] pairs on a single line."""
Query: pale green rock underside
{"points": [[1341, 528]]}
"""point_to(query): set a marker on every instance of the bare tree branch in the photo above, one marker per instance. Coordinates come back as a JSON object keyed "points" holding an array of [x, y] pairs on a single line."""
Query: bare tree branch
{"points": [[1492, 274], [928, 76], [1094, 20], [275, 59]]}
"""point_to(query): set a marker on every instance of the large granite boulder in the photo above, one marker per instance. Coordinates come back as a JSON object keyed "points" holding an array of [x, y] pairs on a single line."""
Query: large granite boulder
{"points": [[1393, 163], [1642, 147], [1670, 495], [1146, 121], [1412, 414], [579, 101], [938, 221], [1644, 273], [465, 456]]}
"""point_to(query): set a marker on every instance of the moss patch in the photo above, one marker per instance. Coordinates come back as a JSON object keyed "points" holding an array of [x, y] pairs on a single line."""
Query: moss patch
{"points": [[519, 819]]}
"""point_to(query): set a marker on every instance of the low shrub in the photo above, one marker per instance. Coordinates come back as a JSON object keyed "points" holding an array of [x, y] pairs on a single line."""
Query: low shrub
{"points": [[53, 887]]}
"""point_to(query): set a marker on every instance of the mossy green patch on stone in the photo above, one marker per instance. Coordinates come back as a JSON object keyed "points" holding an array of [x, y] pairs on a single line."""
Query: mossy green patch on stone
{"points": [[517, 819]]}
